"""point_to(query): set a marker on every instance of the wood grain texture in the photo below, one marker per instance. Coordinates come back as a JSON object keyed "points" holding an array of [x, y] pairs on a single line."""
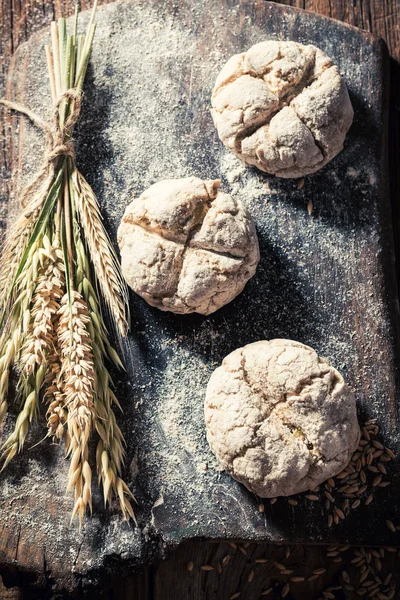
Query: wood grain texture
{"points": [[30, 16]]}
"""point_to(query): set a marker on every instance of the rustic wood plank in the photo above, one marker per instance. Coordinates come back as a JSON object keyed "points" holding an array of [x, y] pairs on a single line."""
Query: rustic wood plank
{"points": [[381, 17], [22, 28]]}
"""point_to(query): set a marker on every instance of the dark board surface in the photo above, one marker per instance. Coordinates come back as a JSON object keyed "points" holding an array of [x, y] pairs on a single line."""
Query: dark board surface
{"points": [[325, 279]]}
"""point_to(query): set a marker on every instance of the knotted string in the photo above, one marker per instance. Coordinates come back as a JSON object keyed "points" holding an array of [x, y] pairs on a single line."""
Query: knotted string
{"points": [[59, 138]]}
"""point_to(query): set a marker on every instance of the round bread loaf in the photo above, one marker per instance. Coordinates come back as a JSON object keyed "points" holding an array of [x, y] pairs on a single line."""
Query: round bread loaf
{"points": [[187, 247], [279, 418], [282, 107]]}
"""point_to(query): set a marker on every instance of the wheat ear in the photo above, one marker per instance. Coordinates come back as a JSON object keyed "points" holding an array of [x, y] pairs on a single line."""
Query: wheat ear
{"points": [[110, 448], [15, 442], [77, 372], [41, 335], [56, 413], [104, 259], [16, 242], [10, 349], [40, 347]]}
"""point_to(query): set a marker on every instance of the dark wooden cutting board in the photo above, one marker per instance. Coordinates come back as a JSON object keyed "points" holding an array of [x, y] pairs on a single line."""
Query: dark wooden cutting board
{"points": [[325, 279]]}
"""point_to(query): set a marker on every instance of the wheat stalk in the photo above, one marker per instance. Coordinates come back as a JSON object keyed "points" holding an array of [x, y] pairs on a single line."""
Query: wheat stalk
{"points": [[110, 448], [105, 262]]}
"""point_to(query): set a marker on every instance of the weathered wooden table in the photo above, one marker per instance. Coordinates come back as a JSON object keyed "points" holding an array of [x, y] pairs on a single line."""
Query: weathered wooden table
{"points": [[171, 578]]}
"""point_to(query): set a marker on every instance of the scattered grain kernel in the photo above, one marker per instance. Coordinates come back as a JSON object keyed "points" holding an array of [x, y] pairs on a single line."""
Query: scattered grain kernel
{"points": [[261, 508], [286, 590], [383, 483], [261, 561], [313, 578], [378, 445], [273, 500], [234, 596], [250, 576], [226, 560], [377, 453], [339, 513], [297, 579], [319, 571], [366, 433], [369, 500], [243, 550], [300, 183], [373, 469], [356, 503], [292, 502], [312, 497], [345, 576], [364, 575], [266, 592], [189, 566], [391, 526], [207, 568], [287, 572], [280, 566]]}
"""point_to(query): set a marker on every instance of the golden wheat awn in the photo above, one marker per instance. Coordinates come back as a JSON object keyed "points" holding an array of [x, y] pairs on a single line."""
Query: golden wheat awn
{"points": [[52, 327]]}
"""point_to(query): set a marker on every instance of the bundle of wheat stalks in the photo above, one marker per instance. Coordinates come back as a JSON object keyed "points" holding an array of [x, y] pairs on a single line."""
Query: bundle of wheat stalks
{"points": [[56, 262]]}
